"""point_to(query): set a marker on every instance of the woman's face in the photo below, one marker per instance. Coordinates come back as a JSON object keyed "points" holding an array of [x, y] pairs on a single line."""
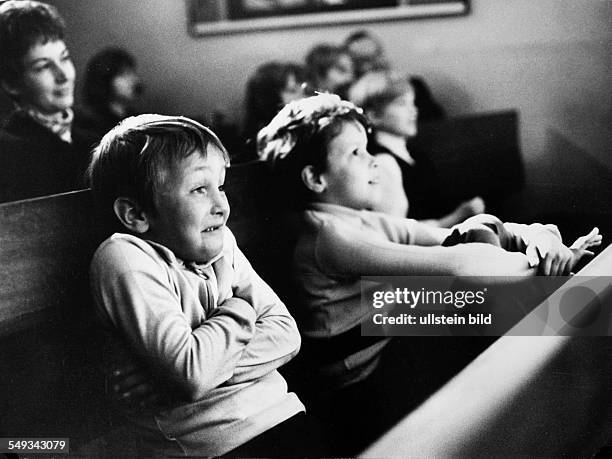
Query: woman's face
{"points": [[47, 83], [293, 90], [126, 87]]}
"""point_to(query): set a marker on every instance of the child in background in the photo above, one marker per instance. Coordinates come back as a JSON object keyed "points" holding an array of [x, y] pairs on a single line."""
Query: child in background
{"points": [[111, 90], [368, 54], [179, 294], [270, 88], [318, 148], [330, 69], [388, 101]]}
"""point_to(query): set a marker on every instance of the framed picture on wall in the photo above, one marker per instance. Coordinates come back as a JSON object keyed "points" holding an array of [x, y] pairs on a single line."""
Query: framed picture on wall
{"points": [[209, 17]]}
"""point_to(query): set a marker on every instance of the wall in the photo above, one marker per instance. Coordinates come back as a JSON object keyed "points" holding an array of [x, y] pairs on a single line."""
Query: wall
{"points": [[550, 59]]}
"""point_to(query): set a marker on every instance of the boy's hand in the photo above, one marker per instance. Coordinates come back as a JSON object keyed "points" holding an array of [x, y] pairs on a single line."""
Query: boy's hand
{"points": [[547, 252], [580, 247], [132, 387]]}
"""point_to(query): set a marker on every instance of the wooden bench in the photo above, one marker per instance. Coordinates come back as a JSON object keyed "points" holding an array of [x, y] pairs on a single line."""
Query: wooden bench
{"points": [[525, 396], [52, 384], [52, 381], [49, 385]]}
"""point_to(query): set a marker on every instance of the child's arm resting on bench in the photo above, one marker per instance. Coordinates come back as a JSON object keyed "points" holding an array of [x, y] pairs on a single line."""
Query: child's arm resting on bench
{"points": [[135, 293], [342, 249], [542, 244]]}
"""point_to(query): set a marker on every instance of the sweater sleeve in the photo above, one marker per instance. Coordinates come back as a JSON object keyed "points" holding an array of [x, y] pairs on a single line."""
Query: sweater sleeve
{"points": [[138, 297], [344, 250], [405, 230], [276, 339], [514, 237]]}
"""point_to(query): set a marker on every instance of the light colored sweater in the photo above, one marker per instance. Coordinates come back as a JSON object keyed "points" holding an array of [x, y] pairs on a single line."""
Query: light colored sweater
{"points": [[216, 332], [338, 245]]}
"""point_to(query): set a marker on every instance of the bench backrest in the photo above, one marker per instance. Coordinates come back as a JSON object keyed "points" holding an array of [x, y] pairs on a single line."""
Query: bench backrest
{"points": [[45, 318], [473, 155]]}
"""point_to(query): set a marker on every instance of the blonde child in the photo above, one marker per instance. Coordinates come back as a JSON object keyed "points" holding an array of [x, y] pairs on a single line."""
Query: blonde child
{"points": [[178, 293], [318, 148], [389, 102]]}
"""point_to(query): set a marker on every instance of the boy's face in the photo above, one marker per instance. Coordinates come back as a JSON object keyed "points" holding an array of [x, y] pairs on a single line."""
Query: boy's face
{"points": [[352, 177], [191, 207], [399, 116]]}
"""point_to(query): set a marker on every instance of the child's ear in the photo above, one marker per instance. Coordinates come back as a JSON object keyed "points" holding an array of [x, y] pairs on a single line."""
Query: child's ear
{"points": [[314, 181], [131, 215]]}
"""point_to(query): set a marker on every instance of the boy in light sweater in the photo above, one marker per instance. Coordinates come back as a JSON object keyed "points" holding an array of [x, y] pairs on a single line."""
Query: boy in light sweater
{"points": [[178, 293]]}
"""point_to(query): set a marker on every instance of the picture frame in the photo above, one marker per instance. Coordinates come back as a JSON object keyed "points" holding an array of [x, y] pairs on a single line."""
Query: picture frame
{"points": [[213, 17]]}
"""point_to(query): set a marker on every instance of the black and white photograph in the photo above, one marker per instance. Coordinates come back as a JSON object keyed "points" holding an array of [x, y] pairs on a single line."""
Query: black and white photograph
{"points": [[305, 228]]}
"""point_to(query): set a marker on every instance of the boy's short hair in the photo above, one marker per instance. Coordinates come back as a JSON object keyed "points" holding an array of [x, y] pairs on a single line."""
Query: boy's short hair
{"points": [[133, 158], [23, 24], [298, 137], [375, 90]]}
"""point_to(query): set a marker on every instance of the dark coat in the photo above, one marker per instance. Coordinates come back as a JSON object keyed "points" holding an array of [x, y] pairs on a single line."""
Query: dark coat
{"points": [[36, 162], [97, 120], [429, 108], [420, 181]]}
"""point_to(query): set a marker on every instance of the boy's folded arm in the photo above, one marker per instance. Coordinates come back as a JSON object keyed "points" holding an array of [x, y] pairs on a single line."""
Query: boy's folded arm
{"points": [[149, 315], [276, 339], [347, 251], [264, 355]]}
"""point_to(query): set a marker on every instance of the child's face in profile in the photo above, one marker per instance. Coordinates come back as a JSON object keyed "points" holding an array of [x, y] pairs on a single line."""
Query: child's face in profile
{"points": [[191, 207], [352, 177], [400, 116]]}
